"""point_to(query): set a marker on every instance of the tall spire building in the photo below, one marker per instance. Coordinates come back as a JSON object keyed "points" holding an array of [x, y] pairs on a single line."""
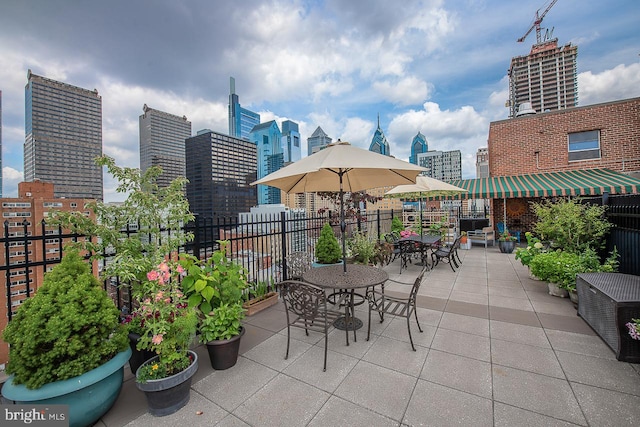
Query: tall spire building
{"points": [[63, 136], [241, 120], [317, 141], [379, 143], [418, 145]]}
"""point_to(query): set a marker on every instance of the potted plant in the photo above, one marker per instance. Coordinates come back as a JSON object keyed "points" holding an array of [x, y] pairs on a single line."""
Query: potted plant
{"points": [[67, 345], [327, 248], [259, 298], [133, 237], [169, 326], [214, 288], [533, 248], [362, 248], [464, 241], [506, 242]]}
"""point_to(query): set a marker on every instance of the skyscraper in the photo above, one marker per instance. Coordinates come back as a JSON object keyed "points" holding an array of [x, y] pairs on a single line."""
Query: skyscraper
{"points": [[482, 162], [379, 143], [219, 169], [241, 120], [547, 78], [162, 138], [268, 139], [63, 136], [317, 141], [291, 142], [418, 145]]}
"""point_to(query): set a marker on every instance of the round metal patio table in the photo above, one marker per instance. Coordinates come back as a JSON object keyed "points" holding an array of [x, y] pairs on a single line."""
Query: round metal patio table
{"points": [[357, 276]]}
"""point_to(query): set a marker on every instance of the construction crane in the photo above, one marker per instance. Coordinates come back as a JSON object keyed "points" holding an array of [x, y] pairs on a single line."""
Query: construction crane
{"points": [[536, 23]]}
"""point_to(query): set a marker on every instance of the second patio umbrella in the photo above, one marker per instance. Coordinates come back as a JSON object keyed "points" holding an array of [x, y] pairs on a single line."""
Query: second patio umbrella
{"points": [[342, 167]]}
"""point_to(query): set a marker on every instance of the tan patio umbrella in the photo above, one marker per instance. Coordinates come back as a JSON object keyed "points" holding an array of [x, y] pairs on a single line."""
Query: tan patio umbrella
{"points": [[424, 186], [342, 167]]}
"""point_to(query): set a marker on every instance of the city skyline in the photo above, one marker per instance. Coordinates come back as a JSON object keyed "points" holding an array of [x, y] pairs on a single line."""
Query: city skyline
{"points": [[430, 67]]}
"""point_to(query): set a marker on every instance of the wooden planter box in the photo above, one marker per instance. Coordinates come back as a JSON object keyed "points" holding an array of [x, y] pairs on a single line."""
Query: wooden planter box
{"points": [[254, 306]]}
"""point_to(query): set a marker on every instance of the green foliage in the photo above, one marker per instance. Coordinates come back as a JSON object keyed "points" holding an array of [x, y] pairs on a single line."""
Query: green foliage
{"points": [[570, 225], [148, 206], [534, 247], [328, 248], [69, 327], [168, 324], [214, 288], [396, 224], [223, 323], [362, 248], [561, 267]]}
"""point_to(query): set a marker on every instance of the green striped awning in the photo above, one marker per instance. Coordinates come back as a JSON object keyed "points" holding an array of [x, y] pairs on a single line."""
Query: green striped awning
{"points": [[587, 182]]}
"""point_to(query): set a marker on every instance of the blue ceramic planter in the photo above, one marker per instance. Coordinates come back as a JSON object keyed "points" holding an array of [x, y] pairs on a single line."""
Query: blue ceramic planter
{"points": [[89, 396]]}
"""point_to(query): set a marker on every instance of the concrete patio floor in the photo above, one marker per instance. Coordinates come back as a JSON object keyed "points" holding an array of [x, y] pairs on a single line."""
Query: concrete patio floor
{"points": [[496, 350]]}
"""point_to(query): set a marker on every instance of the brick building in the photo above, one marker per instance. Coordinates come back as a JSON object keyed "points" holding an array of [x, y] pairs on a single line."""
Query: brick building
{"points": [[27, 242]]}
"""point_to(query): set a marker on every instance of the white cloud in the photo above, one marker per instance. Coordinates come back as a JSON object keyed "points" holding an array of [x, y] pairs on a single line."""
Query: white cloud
{"points": [[621, 82], [408, 91], [10, 180]]}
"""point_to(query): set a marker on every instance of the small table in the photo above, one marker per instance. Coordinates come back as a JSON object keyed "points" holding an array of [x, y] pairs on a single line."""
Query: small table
{"points": [[357, 277], [426, 242]]}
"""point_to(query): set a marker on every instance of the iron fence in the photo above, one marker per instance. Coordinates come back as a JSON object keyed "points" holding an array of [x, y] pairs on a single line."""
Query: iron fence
{"points": [[260, 244]]}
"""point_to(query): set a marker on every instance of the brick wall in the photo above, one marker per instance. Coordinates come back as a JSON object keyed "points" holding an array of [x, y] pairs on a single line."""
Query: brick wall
{"points": [[539, 143]]}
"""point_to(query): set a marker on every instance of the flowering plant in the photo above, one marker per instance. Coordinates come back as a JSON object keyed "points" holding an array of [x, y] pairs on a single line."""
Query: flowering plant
{"points": [[168, 325], [634, 328], [407, 233], [507, 237], [534, 247]]}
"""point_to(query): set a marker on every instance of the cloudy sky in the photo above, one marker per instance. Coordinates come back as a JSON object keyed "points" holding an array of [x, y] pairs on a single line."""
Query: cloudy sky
{"points": [[432, 66]]}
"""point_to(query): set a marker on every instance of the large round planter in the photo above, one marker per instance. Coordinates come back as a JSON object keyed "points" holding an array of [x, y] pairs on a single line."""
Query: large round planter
{"points": [[223, 354], [573, 296], [89, 396], [557, 291], [167, 395], [138, 357], [506, 246]]}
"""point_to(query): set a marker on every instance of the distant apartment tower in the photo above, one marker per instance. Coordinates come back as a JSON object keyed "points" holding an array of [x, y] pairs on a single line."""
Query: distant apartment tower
{"points": [[482, 162], [379, 143], [268, 140], [292, 152], [162, 137], [442, 165], [241, 120], [23, 216], [317, 141], [63, 136], [546, 78], [219, 169], [418, 145]]}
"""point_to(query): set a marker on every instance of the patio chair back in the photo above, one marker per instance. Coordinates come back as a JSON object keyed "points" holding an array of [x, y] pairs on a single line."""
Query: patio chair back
{"points": [[298, 263]]}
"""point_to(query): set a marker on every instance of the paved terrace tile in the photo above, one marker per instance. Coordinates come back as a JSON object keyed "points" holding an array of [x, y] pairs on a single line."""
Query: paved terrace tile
{"points": [[496, 350]]}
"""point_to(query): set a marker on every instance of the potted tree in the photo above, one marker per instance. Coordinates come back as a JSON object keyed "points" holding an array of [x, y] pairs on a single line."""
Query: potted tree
{"points": [[67, 345], [506, 242], [168, 329], [133, 237], [327, 248], [214, 288]]}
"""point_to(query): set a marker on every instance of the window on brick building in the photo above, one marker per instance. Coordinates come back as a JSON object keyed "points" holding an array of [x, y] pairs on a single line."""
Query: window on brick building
{"points": [[584, 145]]}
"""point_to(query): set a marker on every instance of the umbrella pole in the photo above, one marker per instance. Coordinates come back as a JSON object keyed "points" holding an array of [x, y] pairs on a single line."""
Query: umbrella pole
{"points": [[343, 227]]}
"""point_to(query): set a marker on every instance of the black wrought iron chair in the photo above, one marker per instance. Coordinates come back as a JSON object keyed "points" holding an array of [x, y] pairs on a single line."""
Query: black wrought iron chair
{"points": [[396, 306], [448, 254], [306, 308], [408, 250]]}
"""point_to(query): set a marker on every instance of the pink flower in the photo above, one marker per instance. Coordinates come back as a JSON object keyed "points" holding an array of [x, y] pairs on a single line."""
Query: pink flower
{"points": [[180, 270], [163, 267], [152, 275], [157, 339], [159, 296]]}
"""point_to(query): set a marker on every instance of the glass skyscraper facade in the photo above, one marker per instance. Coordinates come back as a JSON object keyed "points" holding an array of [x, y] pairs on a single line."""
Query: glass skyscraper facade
{"points": [[162, 137], [268, 140], [63, 136], [219, 169], [241, 120], [292, 151], [418, 145], [379, 143]]}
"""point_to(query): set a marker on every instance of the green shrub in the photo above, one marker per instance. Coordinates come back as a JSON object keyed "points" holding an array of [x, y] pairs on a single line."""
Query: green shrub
{"points": [[571, 226], [69, 327], [534, 247], [328, 249], [396, 224], [363, 249]]}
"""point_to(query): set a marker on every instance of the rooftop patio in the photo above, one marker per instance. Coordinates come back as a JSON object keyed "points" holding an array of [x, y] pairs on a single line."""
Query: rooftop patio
{"points": [[496, 350]]}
